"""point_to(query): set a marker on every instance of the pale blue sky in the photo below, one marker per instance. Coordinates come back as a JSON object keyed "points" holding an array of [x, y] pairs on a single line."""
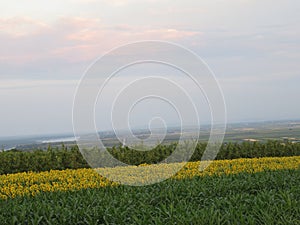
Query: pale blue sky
{"points": [[252, 46]]}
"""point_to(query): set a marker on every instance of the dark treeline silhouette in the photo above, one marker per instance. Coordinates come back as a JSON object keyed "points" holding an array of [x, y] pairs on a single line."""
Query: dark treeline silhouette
{"points": [[55, 158]]}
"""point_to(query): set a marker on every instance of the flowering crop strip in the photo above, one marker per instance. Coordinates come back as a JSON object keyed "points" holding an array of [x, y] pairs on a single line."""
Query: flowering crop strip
{"points": [[30, 183]]}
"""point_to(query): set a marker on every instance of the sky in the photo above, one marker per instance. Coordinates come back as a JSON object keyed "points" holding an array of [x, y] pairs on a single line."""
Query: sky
{"points": [[253, 48]]}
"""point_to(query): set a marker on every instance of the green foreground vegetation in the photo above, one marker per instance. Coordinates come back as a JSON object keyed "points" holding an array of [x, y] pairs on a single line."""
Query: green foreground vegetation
{"points": [[70, 158], [269, 197], [259, 198]]}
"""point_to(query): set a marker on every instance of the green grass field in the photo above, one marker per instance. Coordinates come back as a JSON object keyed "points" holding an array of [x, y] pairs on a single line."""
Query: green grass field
{"points": [[259, 198]]}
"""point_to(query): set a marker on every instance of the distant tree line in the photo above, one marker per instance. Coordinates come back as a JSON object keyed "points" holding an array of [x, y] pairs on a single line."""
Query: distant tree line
{"points": [[60, 158]]}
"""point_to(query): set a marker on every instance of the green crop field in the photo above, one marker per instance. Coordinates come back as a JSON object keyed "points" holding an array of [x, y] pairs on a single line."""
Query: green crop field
{"points": [[259, 198], [250, 183]]}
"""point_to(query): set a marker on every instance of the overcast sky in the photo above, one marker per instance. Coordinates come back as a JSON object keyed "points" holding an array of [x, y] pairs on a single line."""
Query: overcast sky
{"points": [[252, 46]]}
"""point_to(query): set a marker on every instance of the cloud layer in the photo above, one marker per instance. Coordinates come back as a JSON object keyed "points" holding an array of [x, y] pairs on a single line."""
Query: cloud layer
{"points": [[252, 46]]}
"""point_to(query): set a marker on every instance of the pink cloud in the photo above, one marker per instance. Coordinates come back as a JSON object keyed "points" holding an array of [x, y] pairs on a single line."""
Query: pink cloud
{"points": [[20, 26], [73, 39], [169, 34], [92, 43]]}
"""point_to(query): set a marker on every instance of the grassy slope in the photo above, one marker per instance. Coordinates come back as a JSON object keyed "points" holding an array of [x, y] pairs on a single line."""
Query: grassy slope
{"points": [[262, 198]]}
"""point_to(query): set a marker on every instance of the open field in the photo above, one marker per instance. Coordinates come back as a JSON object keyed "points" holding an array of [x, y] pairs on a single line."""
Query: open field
{"points": [[250, 183], [269, 197], [262, 131], [31, 184]]}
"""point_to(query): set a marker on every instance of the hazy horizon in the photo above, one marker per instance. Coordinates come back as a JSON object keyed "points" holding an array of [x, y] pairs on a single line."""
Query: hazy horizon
{"points": [[174, 126]]}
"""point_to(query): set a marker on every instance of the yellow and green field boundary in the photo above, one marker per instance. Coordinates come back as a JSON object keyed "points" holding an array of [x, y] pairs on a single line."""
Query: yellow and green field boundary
{"points": [[33, 183]]}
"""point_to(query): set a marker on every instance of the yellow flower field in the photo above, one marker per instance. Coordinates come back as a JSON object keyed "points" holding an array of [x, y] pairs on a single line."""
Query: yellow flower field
{"points": [[30, 183]]}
